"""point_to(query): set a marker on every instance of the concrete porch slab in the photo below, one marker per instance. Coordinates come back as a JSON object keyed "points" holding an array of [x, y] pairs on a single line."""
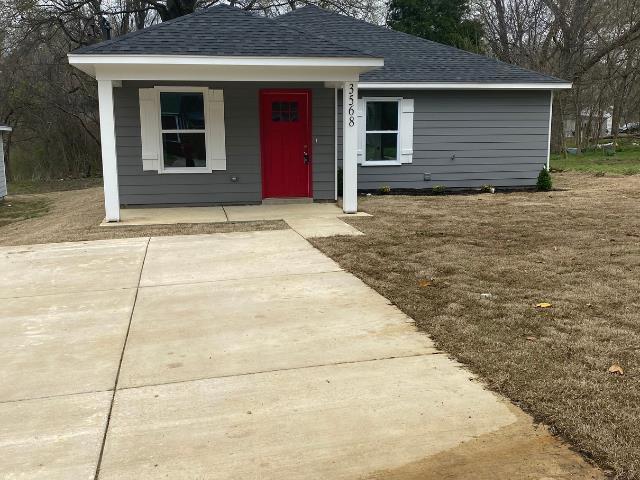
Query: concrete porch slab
{"points": [[285, 211], [56, 438], [339, 421], [70, 267], [207, 258], [308, 219], [187, 332], [169, 216], [62, 344]]}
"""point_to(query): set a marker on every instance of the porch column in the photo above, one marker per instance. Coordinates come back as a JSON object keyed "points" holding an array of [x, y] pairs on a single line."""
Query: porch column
{"points": [[108, 143], [350, 147]]}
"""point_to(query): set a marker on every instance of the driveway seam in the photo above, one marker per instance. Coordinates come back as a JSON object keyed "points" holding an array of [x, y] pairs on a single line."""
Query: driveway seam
{"points": [[124, 346], [235, 279], [57, 395], [304, 367], [66, 292]]}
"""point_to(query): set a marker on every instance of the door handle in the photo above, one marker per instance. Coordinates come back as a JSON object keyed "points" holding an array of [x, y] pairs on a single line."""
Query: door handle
{"points": [[305, 156]]}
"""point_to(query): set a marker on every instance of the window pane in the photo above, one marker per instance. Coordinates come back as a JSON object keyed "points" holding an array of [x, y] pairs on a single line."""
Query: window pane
{"points": [[182, 111], [382, 115], [184, 150], [382, 146]]}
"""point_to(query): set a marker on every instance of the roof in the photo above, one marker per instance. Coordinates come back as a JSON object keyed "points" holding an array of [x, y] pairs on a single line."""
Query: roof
{"points": [[408, 58], [225, 31], [222, 30]]}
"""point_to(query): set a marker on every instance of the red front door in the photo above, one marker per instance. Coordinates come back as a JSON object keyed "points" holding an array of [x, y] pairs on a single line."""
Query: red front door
{"points": [[285, 129]]}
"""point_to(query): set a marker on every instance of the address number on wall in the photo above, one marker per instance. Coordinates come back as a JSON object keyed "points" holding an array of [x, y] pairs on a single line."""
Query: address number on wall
{"points": [[352, 110]]}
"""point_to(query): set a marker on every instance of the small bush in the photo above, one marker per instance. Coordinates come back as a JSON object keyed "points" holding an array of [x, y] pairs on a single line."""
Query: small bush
{"points": [[438, 189], [486, 188], [544, 182], [384, 190], [599, 174]]}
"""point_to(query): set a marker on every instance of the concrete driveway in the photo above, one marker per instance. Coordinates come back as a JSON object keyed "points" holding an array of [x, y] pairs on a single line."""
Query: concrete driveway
{"points": [[233, 356]]}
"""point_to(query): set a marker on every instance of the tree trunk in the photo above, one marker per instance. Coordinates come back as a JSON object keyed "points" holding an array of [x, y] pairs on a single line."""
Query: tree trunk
{"points": [[557, 126]]}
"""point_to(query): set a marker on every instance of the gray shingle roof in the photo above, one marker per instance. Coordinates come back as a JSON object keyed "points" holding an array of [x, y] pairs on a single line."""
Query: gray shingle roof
{"points": [[313, 32], [221, 31], [408, 58]]}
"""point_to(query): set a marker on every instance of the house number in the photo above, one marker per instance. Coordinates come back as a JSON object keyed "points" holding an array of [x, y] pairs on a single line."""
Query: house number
{"points": [[352, 120]]}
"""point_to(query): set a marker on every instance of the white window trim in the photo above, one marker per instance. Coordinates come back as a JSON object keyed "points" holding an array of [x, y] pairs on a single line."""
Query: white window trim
{"points": [[161, 168], [381, 163]]}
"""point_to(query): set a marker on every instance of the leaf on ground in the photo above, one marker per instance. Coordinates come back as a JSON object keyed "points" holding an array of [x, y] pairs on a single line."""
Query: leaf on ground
{"points": [[543, 305], [425, 283], [532, 339], [616, 369]]}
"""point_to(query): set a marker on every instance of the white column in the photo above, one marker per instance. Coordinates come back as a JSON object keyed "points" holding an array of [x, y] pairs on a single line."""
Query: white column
{"points": [[108, 142], [350, 147]]}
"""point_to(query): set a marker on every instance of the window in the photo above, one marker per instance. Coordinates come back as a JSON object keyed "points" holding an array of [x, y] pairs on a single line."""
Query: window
{"points": [[382, 132], [284, 111], [182, 116]]}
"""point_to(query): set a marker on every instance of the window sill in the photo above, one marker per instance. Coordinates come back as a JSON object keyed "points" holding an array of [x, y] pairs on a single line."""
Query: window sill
{"points": [[381, 163], [185, 170]]}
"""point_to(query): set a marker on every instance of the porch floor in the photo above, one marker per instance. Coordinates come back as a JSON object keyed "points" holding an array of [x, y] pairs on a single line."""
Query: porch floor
{"points": [[308, 219]]}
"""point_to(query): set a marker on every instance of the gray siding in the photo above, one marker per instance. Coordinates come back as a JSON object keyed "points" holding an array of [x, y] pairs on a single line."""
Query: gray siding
{"points": [[3, 180], [497, 137], [242, 127]]}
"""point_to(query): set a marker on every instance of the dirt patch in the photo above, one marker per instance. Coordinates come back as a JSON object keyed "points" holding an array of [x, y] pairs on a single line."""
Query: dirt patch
{"points": [[578, 249], [76, 215], [519, 451]]}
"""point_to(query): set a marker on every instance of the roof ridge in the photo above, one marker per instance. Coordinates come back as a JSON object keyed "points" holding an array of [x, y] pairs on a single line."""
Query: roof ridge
{"points": [[88, 48], [328, 40]]}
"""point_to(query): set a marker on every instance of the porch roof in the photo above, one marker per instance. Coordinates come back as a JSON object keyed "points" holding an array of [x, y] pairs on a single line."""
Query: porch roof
{"points": [[223, 31], [223, 43]]}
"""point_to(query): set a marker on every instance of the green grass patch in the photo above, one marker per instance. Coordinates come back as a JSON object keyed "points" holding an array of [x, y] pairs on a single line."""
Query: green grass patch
{"points": [[62, 185], [625, 160], [15, 210]]}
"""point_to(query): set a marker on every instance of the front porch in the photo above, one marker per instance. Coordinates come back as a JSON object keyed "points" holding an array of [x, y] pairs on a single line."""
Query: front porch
{"points": [[308, 219], [261, 128]]}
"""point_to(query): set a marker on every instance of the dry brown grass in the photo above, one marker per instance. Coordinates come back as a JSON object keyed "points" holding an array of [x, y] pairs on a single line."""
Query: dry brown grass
{"points": [[76, 215], [578, 249]]}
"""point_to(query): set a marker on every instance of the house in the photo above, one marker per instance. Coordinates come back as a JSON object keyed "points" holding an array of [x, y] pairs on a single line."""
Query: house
{"points": [[227, 107], [3, 179], [594, 125]]}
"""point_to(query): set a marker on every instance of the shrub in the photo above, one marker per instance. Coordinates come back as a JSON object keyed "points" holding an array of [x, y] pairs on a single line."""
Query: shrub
{"points": [[438, 189], [384, 190], [486, 188], [544, 183]]}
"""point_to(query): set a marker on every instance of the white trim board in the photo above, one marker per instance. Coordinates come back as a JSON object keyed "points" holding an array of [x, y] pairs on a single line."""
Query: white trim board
{"points": [[5, 129], [79, 59], [462, 86]]}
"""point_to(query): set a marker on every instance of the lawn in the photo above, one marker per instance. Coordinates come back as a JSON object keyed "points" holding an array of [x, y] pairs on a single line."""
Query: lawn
{"points": [[577, 248], [15, 210], [625, 160]]}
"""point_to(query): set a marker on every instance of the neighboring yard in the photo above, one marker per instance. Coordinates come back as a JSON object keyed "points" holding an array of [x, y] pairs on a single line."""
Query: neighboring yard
{"points": [[578, 249], [625, 160]]}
